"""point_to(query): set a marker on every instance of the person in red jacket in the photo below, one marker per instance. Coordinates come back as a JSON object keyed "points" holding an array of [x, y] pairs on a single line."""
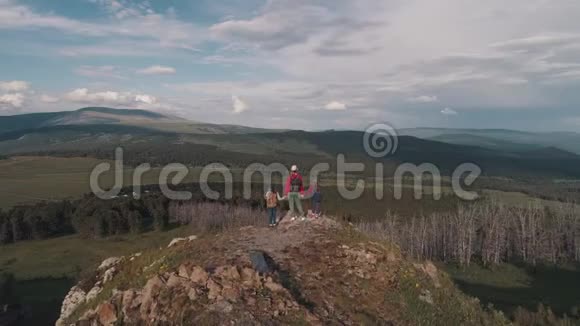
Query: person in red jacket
{"points": [[295, 191]]}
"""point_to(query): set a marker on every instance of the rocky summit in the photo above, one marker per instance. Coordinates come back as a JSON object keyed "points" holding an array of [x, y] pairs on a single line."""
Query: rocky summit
{"points": [[312, 272]]}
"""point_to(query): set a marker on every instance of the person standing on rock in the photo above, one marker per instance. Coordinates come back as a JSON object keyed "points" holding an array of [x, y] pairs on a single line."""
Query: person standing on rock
{"points": [[316, 200], [295, 191], [272, 198]]}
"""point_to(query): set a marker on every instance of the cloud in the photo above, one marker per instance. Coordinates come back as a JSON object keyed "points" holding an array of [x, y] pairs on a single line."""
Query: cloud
{"points": [[157, 70], [49, 99], [285, 23], [126, 21], [14, 86], [114, 98], [121, 9], [238, 105], [144, 98], [540, 41], [335, 106], [300, 54], [106, 71], [448, 111], [15, 100], [423, 99]]}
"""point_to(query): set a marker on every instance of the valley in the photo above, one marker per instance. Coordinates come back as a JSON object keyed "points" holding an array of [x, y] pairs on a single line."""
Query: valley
{"points": [[48, 158]]}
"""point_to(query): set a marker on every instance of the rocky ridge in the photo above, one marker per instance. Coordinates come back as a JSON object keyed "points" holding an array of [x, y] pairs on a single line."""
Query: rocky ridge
{"points": [[311, 272]]}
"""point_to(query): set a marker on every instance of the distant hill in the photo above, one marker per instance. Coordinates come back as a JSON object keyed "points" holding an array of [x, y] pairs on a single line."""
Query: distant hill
{"points": [[160, 139], [90, 115], [486, 142], [110, 116], [501, 139]]}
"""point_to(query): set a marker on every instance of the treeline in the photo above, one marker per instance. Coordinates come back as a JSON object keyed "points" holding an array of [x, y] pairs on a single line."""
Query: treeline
{"points": [[564, 191], [89, 217], [210, 216], [488, 232], [159, 154], [92, 217]]}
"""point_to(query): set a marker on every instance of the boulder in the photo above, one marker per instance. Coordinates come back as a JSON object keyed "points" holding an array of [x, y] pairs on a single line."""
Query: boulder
{"points": [[231, 293], [94, 292], [431, 270], [250, 277], [107, 314], [183, 271], [229, 273], [72, 300], [175, 281], [109, 274], [180, 240], [199, 276], [273, 286], [175, 242], [150, 292], [214, 288], [192, 294], [426, 297], [109, 262], [222, 307]]}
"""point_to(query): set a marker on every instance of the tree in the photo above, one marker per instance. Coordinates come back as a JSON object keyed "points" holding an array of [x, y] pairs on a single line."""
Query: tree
{"points": [[5, 229]]}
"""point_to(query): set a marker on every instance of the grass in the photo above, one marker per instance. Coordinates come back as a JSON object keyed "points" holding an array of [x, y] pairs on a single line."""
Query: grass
{"points": [[518, 199], [64, 257], [33, 179]]}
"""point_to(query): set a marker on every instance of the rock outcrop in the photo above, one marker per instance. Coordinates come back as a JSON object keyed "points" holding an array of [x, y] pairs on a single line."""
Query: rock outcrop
{"points": [[312, 272], [78, 296]]}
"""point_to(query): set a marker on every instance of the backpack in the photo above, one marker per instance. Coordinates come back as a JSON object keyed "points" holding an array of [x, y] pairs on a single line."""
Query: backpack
{"points": [[295, 184], [272, 200]]}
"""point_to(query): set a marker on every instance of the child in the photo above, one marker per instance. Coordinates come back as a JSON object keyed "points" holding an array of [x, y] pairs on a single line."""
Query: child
{"points": [[272, 198], [316, 200]]}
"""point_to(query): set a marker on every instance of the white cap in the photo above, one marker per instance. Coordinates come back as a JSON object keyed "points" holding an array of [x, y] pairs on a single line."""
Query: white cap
{"points": [[294, 168]]}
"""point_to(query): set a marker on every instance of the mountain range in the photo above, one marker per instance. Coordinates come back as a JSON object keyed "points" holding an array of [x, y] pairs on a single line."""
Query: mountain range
{"points": [[500, 139], [148, 135]]}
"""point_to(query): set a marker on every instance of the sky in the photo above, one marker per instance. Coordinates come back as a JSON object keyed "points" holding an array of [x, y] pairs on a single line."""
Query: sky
{"points": [[297, 64]]}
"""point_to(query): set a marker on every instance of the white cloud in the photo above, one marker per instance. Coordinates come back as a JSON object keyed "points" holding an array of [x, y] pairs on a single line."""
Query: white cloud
{"points": [[144, 98], [423, 99], [127, 21], [335, 106], [157, 70], [114, 98], [238, 105], [373, 53], [15, 100], [448, 111], [49, 99], [14, 86], [106, 71]]}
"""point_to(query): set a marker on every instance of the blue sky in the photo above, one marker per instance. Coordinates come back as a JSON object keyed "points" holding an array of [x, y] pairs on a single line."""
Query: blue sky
{"points": [[299, 64]]}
